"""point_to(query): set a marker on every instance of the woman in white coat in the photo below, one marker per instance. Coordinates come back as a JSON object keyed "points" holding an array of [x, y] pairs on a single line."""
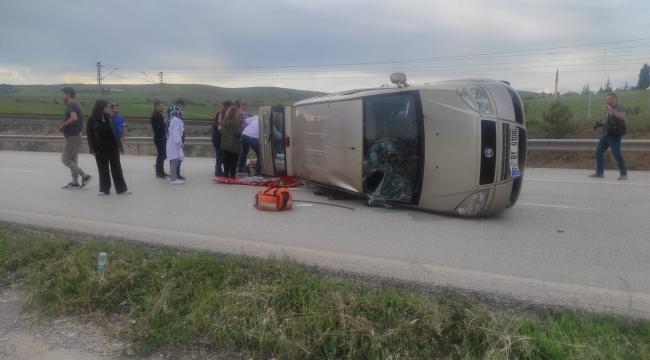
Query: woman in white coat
{"points": [[175, 143]]}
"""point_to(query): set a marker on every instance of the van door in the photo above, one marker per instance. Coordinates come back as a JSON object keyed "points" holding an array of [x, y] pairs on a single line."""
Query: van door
{"points": [[273, 150], [393, 158]]}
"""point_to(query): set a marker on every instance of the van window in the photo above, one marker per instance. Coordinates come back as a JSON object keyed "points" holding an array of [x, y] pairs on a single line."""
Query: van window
{"points": [[392, 159]]}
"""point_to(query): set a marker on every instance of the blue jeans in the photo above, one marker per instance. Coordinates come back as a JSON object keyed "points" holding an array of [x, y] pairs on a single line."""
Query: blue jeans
{"points": [[247, 143], [607, 141], [218, 154]]}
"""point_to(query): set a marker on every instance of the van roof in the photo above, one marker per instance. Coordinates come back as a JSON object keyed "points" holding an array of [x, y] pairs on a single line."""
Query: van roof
{"points": [[449, 85]]}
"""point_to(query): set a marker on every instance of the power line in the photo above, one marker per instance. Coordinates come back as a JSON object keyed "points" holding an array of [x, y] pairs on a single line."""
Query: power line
{"points": [[398, 61]]}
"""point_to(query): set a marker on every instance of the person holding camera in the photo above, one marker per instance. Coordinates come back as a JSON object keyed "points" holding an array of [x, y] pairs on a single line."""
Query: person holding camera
{"points": [[613, 129]]}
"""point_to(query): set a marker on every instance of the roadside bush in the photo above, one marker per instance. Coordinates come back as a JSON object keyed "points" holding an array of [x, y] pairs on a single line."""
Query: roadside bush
{"points": [[557, 121]]}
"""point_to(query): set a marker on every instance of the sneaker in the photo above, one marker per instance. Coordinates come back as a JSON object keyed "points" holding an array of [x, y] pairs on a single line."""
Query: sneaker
{"points": [[85, 180], [102, 194], [623, 177], [127, 192], [178, 182], [161, 176], [71, 185], [597, 175], [181, 177]]}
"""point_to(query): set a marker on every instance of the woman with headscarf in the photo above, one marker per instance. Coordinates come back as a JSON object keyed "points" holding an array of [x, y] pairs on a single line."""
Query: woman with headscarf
{"points": [[175, 144], [230, 142], [105, 143]]}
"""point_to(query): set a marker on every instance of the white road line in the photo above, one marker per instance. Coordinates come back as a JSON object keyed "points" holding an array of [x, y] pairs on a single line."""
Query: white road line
{"points": [[594, 182], [528, 289], [553, 206]]}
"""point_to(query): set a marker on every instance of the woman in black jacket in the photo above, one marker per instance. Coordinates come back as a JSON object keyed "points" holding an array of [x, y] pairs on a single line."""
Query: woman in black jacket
{"points": [[104, 142]]}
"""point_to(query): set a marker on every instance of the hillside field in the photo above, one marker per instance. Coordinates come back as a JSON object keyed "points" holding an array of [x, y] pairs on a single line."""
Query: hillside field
{"points": [[137, 100], [635, 102]]}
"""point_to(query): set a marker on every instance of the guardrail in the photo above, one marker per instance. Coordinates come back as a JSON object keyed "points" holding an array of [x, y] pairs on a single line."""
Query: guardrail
{"points": [[59, 118], [533, 144], [582, 145], [133, 145]]}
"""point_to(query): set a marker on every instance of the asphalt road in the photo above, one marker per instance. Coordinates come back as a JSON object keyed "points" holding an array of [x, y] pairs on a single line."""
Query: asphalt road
{"points": [[570, 240]]}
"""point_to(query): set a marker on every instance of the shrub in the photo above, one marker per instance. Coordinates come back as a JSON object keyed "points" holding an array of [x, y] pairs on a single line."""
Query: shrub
{"points": [[557, 121]]}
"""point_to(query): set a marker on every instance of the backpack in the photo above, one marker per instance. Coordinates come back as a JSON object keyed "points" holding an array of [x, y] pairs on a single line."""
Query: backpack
{"points": [[616, 126], [274, 199]]}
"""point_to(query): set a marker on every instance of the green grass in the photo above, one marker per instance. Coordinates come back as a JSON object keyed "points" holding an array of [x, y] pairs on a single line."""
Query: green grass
{"points": [[635, 102], [137, 100], [280, 309]]}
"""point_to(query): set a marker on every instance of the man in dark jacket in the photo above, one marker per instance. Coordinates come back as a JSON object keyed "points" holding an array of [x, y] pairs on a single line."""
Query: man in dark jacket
{"points": [[159, 137], [613, 128]]}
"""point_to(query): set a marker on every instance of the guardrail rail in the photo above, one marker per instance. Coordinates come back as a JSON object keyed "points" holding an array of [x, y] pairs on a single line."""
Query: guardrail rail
{"points": [[533, 144]]}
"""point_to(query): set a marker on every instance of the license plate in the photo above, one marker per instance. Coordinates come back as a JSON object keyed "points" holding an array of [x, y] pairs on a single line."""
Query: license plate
{"points": [[514, 152]]}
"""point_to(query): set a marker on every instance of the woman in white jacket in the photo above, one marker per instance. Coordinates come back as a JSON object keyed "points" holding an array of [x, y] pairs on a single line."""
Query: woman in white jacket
{"points": [[175, 143]]}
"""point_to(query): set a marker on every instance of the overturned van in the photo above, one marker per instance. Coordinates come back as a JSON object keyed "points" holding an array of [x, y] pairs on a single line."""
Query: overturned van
{"points": [[454, 147]]}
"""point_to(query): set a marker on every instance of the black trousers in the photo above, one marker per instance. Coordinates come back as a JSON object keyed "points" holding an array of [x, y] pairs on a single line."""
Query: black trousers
{"points": [[161, 149], [230, 164], [108, 163]]}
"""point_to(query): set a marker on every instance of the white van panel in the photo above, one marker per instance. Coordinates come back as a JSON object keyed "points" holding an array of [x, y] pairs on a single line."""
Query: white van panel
{"points": [[451, 148], [503, 101], [328, 143]]}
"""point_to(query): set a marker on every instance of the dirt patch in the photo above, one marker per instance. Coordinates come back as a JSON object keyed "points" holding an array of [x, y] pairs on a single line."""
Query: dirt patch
{"points": [[26, 334]]}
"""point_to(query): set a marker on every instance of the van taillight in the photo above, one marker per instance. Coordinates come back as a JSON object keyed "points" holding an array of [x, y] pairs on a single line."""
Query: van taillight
{"points": [[287, 141]]}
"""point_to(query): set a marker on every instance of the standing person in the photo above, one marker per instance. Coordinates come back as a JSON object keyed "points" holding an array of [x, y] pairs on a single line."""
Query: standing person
{"points": [[175, 145], [118, 120], [159, 137], [217, 123], [180, 104], [242, 114], [104, 141], [230, 142], [613, 129], [71, 129], [250, 140]]}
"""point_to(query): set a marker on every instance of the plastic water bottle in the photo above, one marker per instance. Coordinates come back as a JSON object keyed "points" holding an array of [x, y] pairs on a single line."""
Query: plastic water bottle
{"points": [[102, 262]]}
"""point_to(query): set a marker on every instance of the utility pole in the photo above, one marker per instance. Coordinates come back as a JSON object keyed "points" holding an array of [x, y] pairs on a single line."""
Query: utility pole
{"points": [[160, 75], [589, 106], [557, 75], [99, 76]]}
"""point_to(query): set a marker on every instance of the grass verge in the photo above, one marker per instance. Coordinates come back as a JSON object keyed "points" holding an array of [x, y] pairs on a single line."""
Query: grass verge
{"points": [[280, 309]]}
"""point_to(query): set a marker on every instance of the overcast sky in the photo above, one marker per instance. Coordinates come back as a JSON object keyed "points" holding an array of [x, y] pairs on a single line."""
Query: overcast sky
{"points": [[324, 45]]}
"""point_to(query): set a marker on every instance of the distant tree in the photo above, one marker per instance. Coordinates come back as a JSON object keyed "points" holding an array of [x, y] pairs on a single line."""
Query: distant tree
{"points": [[644, 78], [608, 86], [626, 87], [557, 121], [585, 90]]}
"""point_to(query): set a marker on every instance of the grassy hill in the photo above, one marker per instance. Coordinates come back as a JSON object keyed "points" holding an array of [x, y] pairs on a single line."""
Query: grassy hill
{"points": [[136, 100], [635, 102]]}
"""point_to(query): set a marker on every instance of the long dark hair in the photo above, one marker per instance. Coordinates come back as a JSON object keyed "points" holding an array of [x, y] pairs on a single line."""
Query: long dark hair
{"points": [[98, 110], [231, 112]]}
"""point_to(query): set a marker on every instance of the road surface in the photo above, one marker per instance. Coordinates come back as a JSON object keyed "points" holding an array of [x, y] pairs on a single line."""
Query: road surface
{"points": [[570, 240]]}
